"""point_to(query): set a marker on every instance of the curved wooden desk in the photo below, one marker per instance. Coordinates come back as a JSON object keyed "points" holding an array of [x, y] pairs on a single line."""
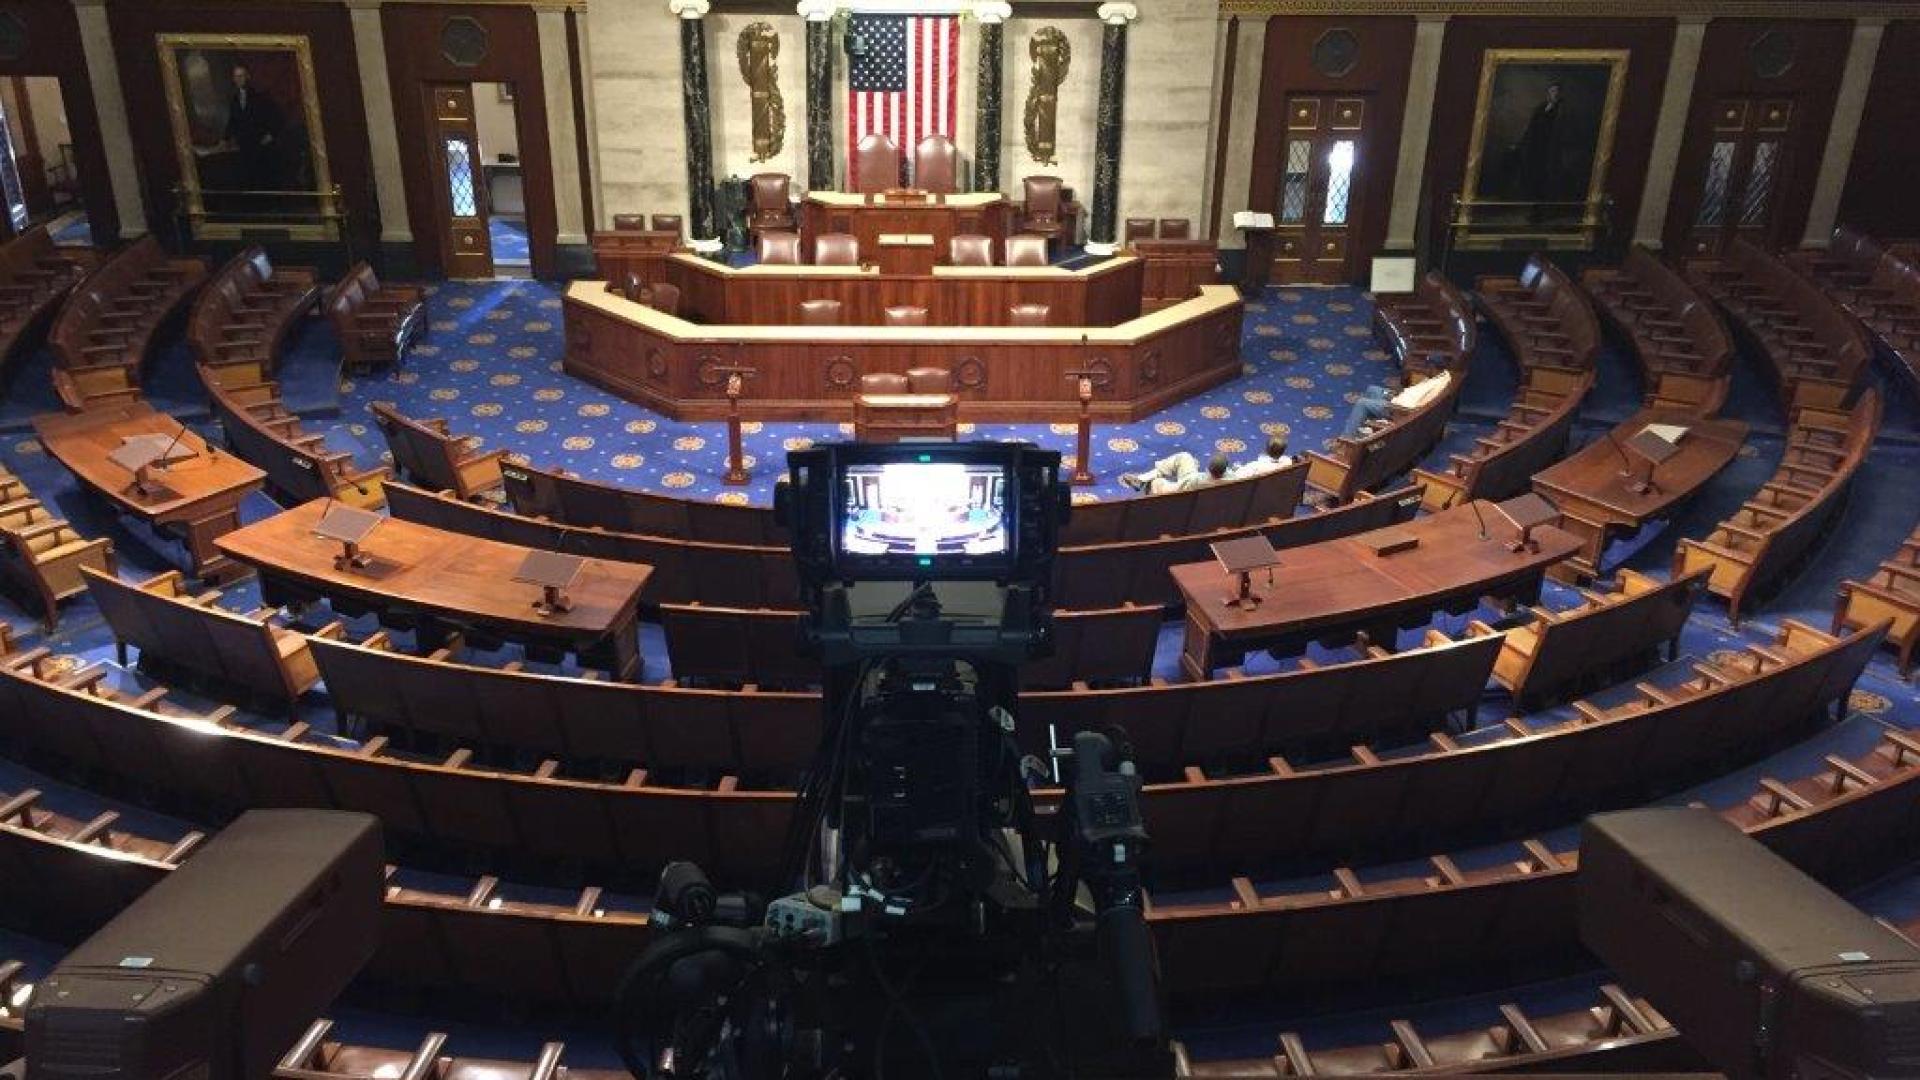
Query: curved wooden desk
{"points": [[197, 499], [1341, 586], [1104, 294], [1002, 374], [1588, 489], [445, 580]]}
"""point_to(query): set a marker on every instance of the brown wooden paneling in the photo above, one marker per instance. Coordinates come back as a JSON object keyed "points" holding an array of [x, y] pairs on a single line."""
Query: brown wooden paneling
{"points": [[1886, 158], [53, 49], [343, 116], [1107, 296], [1379, 74], [1727, 70], [415, 58], [1650, 45]]}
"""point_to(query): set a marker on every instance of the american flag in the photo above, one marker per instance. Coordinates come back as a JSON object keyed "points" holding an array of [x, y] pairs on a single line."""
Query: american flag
{"points": [[903, 85]]}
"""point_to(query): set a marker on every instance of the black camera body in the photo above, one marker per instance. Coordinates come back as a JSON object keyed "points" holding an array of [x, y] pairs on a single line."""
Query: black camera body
{"points": [[944, 923]]}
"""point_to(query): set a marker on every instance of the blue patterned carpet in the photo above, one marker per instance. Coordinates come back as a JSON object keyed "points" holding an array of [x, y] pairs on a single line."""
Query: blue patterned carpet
{"points": [[509, 240], [72, 230], [491, 365]]}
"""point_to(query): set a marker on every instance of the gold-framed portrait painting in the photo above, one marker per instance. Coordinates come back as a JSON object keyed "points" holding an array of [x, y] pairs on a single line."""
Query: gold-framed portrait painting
{"points": [[245, 113], [1543, 132]]}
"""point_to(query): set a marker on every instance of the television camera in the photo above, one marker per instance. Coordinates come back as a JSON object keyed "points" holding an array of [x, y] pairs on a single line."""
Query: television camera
{"points": [[945, 923]]}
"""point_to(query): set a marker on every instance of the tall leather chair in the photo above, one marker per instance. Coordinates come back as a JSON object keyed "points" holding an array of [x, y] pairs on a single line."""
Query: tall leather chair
{"points": [[905, 315], [836, 249], [664, 298], [770, 205], [779, 248], [1029, 315], [1027, 249], [970, 250], [630, 222], [929, 380], [883, 382], [877, 159], [1139, 228], [936, 164], [1041, 213], [1176, 228], [667, 223], [821, 312]]}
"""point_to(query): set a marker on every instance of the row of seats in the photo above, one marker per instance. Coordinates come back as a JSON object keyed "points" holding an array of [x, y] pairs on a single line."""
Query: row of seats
{"points": [[1683, 347], [571, 499], [1816, 353], [1534, 434], [1879, 285], [300, 467], [1542, 314], [1366, 925], [778, 248], [1429, 329], [375, 322], [107, 326], [1383, 450], [1772, 532], [246, 311], [1839, 821], [35, 276], [426, 452], [1200, 824], [41, 555], [1544, 654], [732, 647], [660, 223], [1892, 591], [827, 312]]}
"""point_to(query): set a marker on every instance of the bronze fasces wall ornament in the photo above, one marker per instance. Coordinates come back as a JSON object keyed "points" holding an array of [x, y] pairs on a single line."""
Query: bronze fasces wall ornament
{"points": [[1051, 55], [759, 52]]}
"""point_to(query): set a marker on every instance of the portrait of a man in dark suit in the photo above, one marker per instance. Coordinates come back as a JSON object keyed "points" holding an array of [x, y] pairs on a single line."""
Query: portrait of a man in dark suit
{"points": [[1542, 134], [255, 126]]}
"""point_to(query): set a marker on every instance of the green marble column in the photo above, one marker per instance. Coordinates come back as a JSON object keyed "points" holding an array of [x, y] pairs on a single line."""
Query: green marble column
{"points": [[1101, 232], [819, 17], [694, 98], [986, 128]]}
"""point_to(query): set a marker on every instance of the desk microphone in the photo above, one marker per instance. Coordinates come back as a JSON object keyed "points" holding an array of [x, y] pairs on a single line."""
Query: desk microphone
{"points": [[1626, 462], [1478, 516]]}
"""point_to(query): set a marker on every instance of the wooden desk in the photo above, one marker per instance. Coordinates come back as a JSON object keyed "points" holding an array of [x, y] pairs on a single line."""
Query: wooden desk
{"points": [[906, 253], [892, 417], [197, 499], [616, 251], [943, 217], [446, 581], [1338, 587], [1175, 270], [1587, 487]]}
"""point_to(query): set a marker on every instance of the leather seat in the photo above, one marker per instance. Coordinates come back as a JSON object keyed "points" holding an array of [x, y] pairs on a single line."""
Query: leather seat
{"points": [[1139, 228], [876, 161], [936, 165], [906, 315], [1029, 315], [630, 222], [1041, 212], [929, 380], [667, 223], [778, 248], [1176, 228], [633, 287], [664, 297], [836, 249], [821, 313], [1027, 250], [771, 203], [883, 382], [970, 250]]}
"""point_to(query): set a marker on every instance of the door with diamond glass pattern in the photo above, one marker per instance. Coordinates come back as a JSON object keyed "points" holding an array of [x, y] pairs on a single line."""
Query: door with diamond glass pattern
{"points": [[466, 245], [1319, 189], [1739, 187]]}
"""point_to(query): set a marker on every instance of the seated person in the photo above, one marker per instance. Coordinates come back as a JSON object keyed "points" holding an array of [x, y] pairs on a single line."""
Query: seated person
{"points": [[1273, 460], [1378, 402], [1179, 472]]}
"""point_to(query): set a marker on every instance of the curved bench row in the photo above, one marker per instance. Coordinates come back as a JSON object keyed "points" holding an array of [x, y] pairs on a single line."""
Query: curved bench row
{"points": [[1816, 353], [35, 277], [1430, 328], [1772, 532], [1681, 343], [1891, 592], [1502, 463], [106, 328], [1543, 316], [1879, 285]]}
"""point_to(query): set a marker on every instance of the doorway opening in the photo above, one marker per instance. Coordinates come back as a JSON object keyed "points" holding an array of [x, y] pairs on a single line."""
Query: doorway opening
{"points": [[497, 122], [39, 174]]}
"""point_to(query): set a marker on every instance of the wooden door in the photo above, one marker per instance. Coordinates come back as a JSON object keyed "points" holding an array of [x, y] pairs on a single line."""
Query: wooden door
{"points": [[1738, 190], [460, 194], [1319, 191]]}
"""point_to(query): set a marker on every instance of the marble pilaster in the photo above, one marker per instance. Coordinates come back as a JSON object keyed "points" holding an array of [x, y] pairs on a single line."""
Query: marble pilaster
{"points": [[1669, 130], [1416, 127], [819, 15], [1849, 105], [699, 121], [103, 71], [1102, 233], [383, 137], [992, 16]]}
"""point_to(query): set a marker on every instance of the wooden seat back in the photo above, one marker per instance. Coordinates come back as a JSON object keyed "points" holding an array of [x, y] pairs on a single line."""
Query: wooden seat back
{"points": [[428, 453], [1560, 650], [176, 632], [576, 500], [1367, 460]]}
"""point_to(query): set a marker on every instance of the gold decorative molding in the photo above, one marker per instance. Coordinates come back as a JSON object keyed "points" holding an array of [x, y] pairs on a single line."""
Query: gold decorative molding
{"points": [[1615, 9], [536, 5]]}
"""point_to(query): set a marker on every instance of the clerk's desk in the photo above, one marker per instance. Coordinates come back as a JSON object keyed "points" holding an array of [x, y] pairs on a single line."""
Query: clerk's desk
{"points": [[1103, 294], [868, 216]]}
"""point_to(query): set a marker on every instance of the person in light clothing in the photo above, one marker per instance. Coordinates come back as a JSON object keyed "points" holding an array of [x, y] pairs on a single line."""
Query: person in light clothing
{"points": [[1179, 472], [1378, 402]]}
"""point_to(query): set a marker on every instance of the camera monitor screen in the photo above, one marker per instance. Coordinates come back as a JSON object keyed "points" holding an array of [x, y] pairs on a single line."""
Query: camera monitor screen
{"points": [[926, 514]]}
